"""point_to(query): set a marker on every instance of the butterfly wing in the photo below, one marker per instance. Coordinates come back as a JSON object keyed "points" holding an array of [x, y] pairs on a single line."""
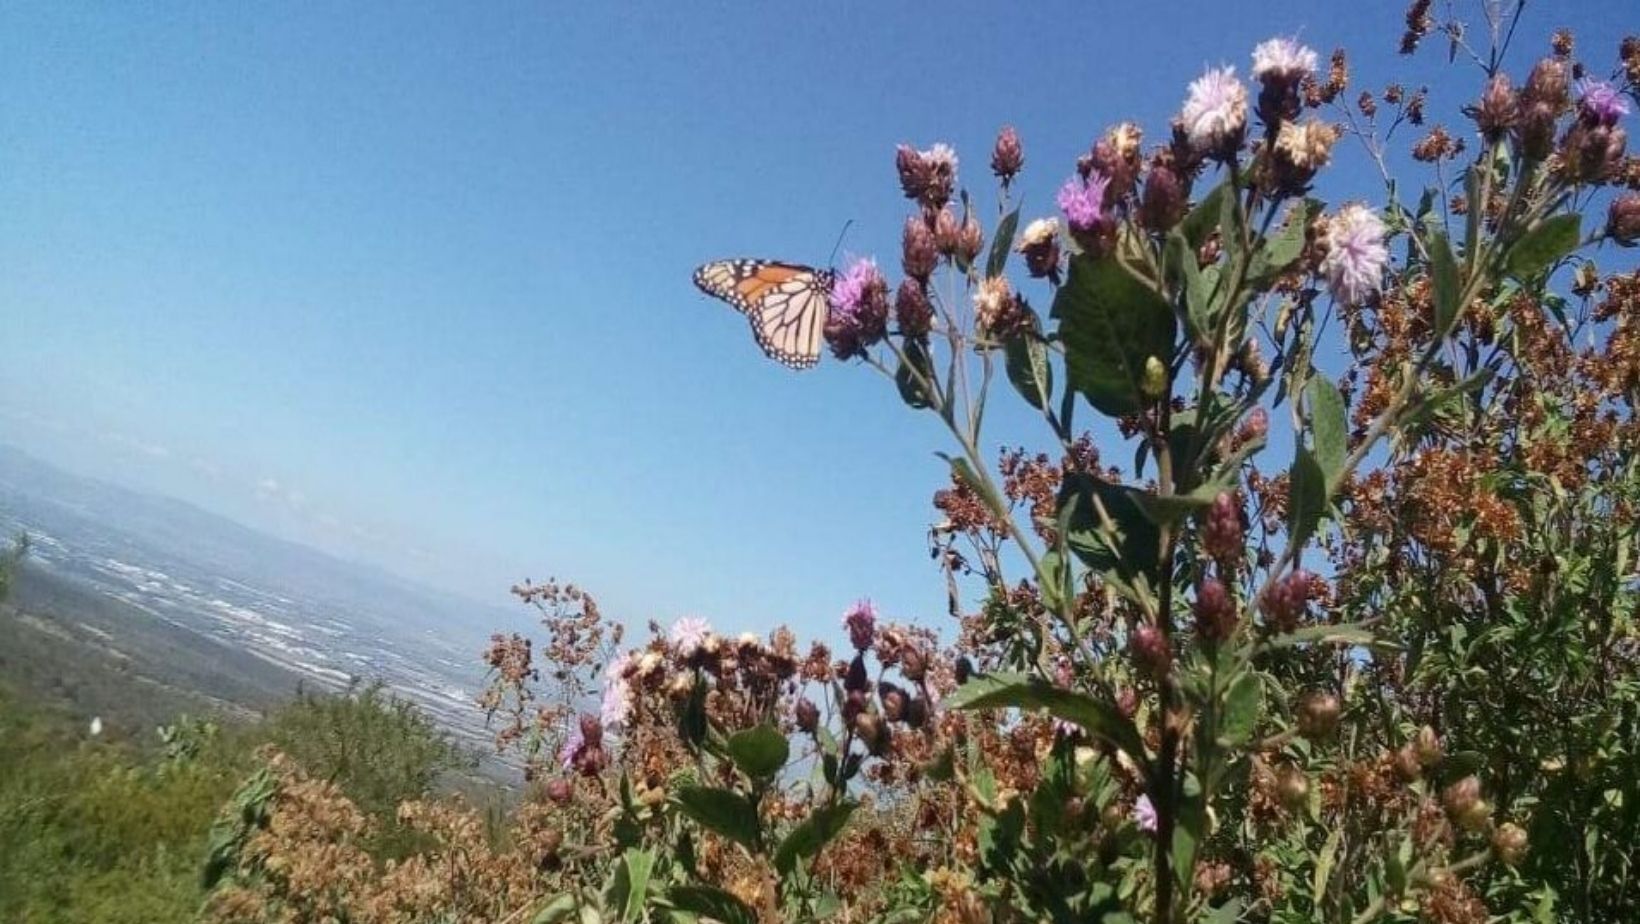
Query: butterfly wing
{"points": [[785, 302]]}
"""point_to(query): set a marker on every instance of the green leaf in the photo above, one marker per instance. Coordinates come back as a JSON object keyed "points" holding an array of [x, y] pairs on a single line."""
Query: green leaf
{"points": [[1111, 323], [1196, 285], [1342, 634], [812, 835], [1001, 243], [1205, 216], [759, 752], [917, 361], [1324, 865], [1542, 246], [1444, 275], [1242, 704], [638, 864], [1306, 497], [711, 902], [1020, 691], [1133, 546], [1281, 249], [1164, 510], [556, 910], [1029, 370], [1329, 423], [728, 813]]}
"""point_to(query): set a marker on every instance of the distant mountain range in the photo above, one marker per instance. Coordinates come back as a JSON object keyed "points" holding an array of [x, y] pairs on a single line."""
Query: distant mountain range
{"points": [[324, 618]]}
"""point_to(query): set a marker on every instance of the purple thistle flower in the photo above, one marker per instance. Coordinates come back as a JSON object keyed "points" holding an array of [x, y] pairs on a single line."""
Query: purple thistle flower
{"points": [[1600, 103], [1083, 202], [861, 622], [1144, 814], [859, 310]]}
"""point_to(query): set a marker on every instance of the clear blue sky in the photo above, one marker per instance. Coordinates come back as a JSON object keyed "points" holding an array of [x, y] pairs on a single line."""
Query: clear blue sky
{"points": [[410, 283]]}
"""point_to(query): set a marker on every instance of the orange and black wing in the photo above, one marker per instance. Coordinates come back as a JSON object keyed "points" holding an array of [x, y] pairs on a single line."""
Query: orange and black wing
{"points": [[786, 303]]}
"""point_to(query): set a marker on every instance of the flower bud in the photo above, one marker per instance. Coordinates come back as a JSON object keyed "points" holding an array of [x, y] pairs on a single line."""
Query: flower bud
{"points": [[918, 255], [807, 715], [1215, 611], [947, 232], [1509, 843], [560, 791], [1284, 602], [1152, 653], [873, 733], [894, 701], [861, 622], [1008, 156], [592, 731], [1407, 766], [1495, 113], [1154, 381], [1293, 785], [1255, 427], [1428, 747], [1623, 219], [853, 704], [970, 241], [1127, 702], [917, 712], [855, 680], [1535, 130], [1458, 798], [912, 312], [1549, 83], [1318, 714], [964, 669], [1221, 529], [1476, 817], [1162, 205]]}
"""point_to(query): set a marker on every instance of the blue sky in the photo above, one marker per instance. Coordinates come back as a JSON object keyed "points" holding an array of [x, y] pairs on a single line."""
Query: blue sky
{"points": [[411, 283]]}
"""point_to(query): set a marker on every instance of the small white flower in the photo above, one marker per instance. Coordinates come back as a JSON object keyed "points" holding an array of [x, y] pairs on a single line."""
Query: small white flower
{"points": [[1215, 110], [1356, 254], [749, 640], [96, 726], [617, 703], [1282, 58], [942, 156]]}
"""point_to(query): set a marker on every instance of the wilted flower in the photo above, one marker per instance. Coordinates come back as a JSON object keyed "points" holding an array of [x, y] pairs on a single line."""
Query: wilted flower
{"points": [[1509, 843], [1039, 243], [688, 635], [1307, 147], [996, 307], [1215, 112], [1318, 714], [1144, 814], [1356, 254], [859, 310], [1008, 156], [861, 622]]}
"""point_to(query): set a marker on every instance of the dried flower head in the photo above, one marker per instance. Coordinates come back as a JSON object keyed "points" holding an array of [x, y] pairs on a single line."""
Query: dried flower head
{"points": [[1039, 243]]}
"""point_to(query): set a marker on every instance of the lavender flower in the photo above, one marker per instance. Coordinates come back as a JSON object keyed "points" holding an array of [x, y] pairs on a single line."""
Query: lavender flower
{"points": [[861, 622], [617, 703], [574, 743], [689, 634], [1083, 202], [1600, 103], [859, 310], [1215, 112], [1356, 254], [1282, 59], [1144, 814]]}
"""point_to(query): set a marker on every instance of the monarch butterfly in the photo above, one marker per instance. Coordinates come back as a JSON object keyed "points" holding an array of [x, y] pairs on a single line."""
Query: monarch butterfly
{"points": [[786, 303]]}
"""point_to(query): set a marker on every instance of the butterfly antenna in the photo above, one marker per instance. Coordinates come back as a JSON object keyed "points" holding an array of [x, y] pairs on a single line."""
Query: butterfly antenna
{"points": [[831, 260]]}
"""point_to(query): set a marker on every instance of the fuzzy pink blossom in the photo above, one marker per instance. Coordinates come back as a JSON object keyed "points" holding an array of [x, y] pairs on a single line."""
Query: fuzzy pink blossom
{"points": [[617, 703], [1356, 254], [1215, 111], [1144, 814], [1282, 59], [689, 634]]}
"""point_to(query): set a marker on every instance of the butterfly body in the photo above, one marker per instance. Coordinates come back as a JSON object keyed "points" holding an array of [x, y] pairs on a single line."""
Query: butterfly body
{"points": [[786, 303]]}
